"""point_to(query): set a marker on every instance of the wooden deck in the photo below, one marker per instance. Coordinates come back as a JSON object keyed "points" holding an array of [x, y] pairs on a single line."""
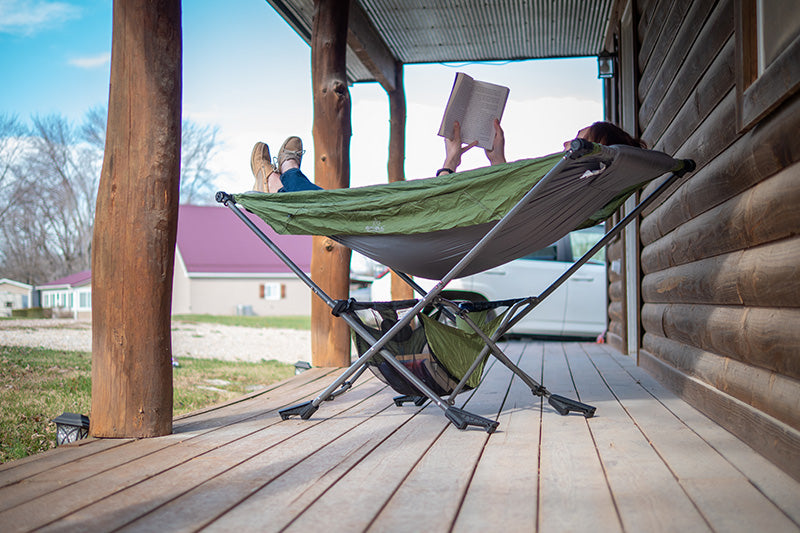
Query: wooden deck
{"points": [[646, 462]]}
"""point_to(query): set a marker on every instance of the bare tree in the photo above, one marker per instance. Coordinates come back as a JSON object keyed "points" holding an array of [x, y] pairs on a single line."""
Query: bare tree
{"points": [[12, 141], [49, 178], [198, 147]]}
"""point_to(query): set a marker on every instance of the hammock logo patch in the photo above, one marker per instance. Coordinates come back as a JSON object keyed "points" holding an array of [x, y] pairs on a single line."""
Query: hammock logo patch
{"points": [[375, 227]]}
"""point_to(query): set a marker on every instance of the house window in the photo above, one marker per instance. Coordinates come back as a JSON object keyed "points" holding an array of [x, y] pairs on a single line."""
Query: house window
{"points": [[272, 291], [85, 300], [767, 57]]}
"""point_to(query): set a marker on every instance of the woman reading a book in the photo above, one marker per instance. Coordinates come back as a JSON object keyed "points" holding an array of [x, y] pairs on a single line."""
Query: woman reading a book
{"points": [[284, 174], [600, 132]]}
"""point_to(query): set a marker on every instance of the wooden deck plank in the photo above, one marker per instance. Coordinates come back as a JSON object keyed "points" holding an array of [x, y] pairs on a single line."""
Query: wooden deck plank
{"points": [[359, 495], [26, 467], [572, 476], [721, 493], [65, 489], [223, 498], [647, 496], [504, 488], [775, 484], [646, 462], [435, 486], [283, 499], [195, 491]]}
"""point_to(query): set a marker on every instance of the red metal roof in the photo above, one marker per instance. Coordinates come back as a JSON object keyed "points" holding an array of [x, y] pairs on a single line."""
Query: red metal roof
{"points": [[73, 280], [213, 239]]}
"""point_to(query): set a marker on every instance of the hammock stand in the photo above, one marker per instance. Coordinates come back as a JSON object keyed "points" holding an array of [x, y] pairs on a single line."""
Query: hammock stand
{"points": [[596, 159]]}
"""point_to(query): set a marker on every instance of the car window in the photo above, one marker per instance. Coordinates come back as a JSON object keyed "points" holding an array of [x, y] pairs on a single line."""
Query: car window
{"points": [[583, 239], [545, 254]]}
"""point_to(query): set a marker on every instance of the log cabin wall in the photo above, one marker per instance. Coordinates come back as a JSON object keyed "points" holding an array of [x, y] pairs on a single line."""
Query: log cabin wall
{"points": [[720, 259]]}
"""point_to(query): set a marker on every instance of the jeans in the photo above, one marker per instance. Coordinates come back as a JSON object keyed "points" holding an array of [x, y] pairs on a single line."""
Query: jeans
{"points": [[294, 180]]}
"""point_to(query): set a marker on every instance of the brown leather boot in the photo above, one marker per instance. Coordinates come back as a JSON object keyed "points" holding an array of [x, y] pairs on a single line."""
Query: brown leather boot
{"points": [[292, 148], [261, 165]]}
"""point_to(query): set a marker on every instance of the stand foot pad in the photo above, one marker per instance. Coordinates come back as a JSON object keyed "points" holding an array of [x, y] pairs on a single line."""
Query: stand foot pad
{"points": [[461, 419], [565, 405], [304, 410], [418, 400]]}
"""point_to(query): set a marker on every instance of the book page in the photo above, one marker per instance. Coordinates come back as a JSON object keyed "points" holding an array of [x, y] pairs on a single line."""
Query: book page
{"points": [[475, 105], [487, 103]]}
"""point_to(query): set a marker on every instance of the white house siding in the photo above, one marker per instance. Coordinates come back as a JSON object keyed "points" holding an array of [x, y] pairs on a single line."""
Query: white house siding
{"points": [[181, 288], [13, 295], [227, 296]]}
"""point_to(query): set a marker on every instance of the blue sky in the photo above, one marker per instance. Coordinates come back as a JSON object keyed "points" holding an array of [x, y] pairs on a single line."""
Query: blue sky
{"points": [[247, 72]]}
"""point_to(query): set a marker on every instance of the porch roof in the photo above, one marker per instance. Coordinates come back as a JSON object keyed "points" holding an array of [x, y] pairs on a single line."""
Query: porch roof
{"points": [[382, 32]]}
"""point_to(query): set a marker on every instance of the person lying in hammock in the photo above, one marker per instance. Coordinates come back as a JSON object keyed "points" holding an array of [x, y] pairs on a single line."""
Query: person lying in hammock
{"points": [[284, 174]]}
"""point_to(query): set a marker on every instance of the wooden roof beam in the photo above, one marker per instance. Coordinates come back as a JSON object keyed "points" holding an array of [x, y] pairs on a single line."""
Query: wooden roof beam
{"points": [[367, 45]]}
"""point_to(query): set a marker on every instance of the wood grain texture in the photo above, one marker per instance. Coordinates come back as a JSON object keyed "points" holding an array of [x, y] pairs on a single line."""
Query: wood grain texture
{"points": [[330, 261], [646, 461], [774, 440], [763, 276], [764, 213], [135, 225], [774, 394]]}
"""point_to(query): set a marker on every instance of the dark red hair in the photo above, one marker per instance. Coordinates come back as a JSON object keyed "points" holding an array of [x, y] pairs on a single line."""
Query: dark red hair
{"points": [[607, 133]]}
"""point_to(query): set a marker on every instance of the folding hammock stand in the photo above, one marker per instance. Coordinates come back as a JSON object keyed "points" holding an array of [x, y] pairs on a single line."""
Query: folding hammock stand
{"points": [[584, 164]]}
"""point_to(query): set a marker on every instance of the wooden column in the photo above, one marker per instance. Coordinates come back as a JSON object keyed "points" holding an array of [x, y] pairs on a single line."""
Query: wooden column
{"points": [[397, 156], [330, 261], [135, 224]]}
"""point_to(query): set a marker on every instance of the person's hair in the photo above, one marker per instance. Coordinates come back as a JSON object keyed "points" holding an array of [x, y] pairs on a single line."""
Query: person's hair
{"points": [[607, 133]]}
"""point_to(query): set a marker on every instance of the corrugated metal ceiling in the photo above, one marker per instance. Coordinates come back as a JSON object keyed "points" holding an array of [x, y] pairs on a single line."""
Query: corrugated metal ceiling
{"points": [[433, 31]]}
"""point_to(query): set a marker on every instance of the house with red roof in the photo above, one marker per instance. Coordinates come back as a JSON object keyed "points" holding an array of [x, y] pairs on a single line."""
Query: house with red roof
{"points": [[221, 268]]}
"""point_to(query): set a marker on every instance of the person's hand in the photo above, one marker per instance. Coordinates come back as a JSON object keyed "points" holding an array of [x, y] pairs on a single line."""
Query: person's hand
{"points": [[454, 148], [497, 154]]}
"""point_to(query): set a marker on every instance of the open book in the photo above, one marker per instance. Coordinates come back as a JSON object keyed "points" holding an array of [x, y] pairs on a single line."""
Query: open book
{"points": [[474, 104]]}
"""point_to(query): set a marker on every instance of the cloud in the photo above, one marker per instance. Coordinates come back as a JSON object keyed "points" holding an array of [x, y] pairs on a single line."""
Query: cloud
{"points": [[27, 17], [100, 60]]}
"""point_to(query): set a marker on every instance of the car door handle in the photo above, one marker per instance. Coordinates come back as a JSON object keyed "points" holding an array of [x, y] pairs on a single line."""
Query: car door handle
{"points": [[582, 279], [496, 272]]}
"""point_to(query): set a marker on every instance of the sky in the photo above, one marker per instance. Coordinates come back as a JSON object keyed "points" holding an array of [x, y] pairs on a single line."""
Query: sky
{"points": [[248, 73]]}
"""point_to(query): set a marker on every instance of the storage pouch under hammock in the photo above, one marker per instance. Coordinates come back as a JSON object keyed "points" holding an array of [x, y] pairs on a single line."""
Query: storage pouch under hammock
{"points": [[434, 350]]}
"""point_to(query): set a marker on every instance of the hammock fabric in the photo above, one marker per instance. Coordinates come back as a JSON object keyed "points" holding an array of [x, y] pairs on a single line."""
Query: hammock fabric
{"points": [[424, 227]]}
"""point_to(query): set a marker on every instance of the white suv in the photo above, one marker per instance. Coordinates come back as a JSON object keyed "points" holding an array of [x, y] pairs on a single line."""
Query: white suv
{"points": [[576, 309]]}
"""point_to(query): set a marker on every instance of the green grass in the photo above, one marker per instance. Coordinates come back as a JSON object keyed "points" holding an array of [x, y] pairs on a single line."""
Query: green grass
{"points": [[37, 385], [284, 322]]}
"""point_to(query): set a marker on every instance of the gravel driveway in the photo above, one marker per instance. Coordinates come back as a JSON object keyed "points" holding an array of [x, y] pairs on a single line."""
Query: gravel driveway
{"points": [[210, 341]]}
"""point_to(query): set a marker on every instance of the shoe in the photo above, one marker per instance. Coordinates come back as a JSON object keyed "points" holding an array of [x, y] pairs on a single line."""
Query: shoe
{"points": [[292, 148], [261, 165]]}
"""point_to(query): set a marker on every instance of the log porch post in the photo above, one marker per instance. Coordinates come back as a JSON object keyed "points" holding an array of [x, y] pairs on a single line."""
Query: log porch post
{"points": [[330, 261], [133, 247], [397, 156]]}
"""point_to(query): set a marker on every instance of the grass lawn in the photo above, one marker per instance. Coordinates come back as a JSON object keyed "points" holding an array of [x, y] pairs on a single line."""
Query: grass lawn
{"points": [[37, 385], [283, 322]]}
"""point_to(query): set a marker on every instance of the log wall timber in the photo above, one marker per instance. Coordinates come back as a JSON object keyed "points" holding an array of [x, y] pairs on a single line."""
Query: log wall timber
{"points": [[721, 256], [764, 213], [764, 276], [330, 261], [762, 337], [136, 219]]}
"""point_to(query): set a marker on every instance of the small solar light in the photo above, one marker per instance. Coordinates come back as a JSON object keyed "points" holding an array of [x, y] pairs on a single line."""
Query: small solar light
{"points": [[71, 427], [605, 65], [300, 367]]}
